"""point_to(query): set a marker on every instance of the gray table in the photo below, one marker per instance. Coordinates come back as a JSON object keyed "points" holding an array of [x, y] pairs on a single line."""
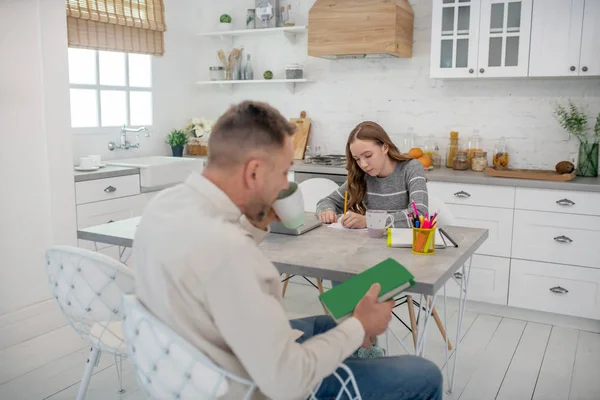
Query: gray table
{"points": [[327, 253]]}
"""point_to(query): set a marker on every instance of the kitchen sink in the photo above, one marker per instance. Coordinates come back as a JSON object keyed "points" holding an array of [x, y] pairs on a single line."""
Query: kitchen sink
{"points": [[160, 171]]}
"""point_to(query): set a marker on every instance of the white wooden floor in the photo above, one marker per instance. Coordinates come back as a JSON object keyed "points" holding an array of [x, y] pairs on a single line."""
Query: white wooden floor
{"points": [[500, 358]]}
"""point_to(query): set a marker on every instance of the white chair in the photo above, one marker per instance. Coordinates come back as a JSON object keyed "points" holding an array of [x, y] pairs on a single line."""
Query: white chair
{"points": [[312, 191], [88, 288], [445, 217], [168, 367]]}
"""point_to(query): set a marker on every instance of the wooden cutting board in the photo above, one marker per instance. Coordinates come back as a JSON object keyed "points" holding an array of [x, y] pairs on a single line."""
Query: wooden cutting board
{"points": [[542, 175], [300, 138]]}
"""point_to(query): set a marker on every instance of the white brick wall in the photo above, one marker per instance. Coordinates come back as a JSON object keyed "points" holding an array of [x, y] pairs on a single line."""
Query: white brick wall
{"points": [[397, 93]]}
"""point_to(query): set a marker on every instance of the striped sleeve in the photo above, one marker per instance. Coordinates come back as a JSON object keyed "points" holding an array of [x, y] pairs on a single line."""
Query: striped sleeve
{"points": [[334, 202], [416, 186]]}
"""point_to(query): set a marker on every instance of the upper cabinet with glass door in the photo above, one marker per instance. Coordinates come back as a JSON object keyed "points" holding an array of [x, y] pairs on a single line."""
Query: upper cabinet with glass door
{"points": [[454, 38], [504, 34]]}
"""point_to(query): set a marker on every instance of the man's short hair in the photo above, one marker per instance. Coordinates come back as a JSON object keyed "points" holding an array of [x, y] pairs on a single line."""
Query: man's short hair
{"points": [[244, 130]]}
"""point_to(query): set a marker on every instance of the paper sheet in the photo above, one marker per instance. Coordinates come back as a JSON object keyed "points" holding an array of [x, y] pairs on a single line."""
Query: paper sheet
{"points": [[338, 225]]}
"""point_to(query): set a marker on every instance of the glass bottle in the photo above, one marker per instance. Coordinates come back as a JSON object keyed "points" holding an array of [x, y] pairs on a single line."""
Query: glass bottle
{"points": [[408, 141], [501, 158], [436, 161], [452, 148], [291, 19], [248, 71], [474, 146]]}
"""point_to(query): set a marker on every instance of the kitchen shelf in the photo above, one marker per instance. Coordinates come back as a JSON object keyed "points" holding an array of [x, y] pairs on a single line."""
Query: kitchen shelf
{"points": [[289, 31], [291, 83]]}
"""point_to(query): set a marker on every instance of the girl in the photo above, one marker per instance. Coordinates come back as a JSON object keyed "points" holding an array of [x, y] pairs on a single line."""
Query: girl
{"points": [[379, 178]]}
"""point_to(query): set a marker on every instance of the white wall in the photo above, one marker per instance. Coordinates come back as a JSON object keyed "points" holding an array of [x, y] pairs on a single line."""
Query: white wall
{"points": [[173, 90], [397, 93], [37, 207]]}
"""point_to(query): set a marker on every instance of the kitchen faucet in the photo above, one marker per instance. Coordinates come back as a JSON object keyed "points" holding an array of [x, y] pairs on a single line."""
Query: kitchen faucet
{"points": [[125, 144]]}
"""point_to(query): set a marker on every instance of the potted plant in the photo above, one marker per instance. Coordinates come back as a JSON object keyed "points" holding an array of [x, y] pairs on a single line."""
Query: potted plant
{"points": [[199, 131], [225, 22], [575, 121], [177, 139]]}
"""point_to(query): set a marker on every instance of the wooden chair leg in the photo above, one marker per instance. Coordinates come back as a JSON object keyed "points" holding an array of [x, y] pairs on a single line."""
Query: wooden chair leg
{"points": [[321, 290], [413, 320], [285, 284], [438, 322]]}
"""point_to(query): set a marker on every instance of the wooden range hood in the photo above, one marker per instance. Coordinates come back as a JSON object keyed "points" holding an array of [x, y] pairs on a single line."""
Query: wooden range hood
{"points": [[360, 28]]}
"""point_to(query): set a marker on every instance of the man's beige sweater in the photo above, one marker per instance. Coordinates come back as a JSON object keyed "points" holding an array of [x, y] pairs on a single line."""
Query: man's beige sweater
{"points": [[199, 269]]}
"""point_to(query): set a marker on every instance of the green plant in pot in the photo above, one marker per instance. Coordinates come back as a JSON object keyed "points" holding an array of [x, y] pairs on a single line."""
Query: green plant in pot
{"points": [[177, 140], [574, 120]]}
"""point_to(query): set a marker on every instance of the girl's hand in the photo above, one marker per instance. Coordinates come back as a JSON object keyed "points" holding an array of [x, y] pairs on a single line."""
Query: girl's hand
{"points": [[328, 217], [354, 221]]}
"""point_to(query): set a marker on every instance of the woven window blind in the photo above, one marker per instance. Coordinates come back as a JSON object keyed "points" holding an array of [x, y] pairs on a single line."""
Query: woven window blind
{"points": [[131, 26]]}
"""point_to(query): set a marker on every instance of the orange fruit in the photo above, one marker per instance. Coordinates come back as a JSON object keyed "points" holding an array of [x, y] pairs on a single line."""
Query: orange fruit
{"points": [[426, 161], [415, 152]]}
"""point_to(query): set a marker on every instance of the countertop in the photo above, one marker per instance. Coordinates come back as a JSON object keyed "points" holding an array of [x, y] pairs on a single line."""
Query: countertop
{"points": [[470, 177], [110, 171]]}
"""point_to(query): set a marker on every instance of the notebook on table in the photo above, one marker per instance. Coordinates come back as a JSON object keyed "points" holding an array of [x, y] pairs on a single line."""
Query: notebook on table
{"points": [[403, 237], [342, 299]]}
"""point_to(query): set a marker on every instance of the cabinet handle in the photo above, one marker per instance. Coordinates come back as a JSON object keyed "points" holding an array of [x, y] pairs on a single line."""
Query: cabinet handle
{"points": [[462, 194], [471, 70], [572, 68], [563, 239], [110, 222], [565, 202], [481, 70], [559, 290], [458, 275], [584, 69], [110, 189]]}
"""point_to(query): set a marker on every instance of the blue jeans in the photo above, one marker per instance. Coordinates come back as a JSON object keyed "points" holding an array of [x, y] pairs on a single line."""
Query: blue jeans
{"points": [[387, 378]]}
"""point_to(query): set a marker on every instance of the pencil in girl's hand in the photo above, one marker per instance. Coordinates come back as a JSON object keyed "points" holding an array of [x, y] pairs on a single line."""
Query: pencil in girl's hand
{"points": [[345, 202]]}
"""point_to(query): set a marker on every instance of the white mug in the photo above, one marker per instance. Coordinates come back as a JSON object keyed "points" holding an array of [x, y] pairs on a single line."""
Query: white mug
{"points": [[377, 222], [97, 160], [289, 207], [86, 163]]}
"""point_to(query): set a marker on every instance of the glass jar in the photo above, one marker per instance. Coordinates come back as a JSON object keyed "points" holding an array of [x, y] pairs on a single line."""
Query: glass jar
{"points": [[251, 18], [437, 158], [460, 162], [217, 73], [452, 148], [479, 161], [501, 154], [474, 146]]}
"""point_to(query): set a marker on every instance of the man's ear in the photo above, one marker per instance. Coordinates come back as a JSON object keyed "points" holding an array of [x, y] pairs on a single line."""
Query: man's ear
{"points": [[251, 173]]}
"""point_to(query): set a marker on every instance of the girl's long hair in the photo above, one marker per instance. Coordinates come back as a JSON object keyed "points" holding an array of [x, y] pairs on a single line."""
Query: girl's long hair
{"points": [[357, 184]]}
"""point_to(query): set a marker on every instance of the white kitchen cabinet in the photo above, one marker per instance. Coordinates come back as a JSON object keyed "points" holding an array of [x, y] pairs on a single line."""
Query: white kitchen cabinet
{"points": [[559, 201], [590, 39], [560, 289], [454, 38], [557, 238], [571, 28], [504, 37], [473, 195], [499, 222], [488, 280], [107, 188], [480, 38]]}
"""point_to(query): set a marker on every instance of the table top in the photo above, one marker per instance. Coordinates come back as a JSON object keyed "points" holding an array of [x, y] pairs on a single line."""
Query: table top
{"points": [[334, 254], [340, 254]]}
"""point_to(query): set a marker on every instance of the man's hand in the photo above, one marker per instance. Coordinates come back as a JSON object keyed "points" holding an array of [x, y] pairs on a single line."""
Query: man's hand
{"points": [[374, 316], [354, 221], [266, 221], [328, 217]]}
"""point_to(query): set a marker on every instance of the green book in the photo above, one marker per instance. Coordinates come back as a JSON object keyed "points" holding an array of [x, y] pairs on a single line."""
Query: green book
{"points": [[341, 300]]}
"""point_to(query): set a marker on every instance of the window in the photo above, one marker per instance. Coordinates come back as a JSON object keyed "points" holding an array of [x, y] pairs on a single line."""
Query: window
{"points": [[109, 89]]}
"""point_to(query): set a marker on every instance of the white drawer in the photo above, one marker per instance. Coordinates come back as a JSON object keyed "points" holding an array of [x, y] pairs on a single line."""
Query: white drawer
{"points": [[488, 281], [557, 238], [477, 195], [106, 189], [499, 222], [539, 286], [562, 201]]}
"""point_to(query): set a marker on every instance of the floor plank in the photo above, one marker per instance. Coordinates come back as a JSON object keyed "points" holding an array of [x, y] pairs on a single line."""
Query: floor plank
{"points": [[37, 352], [470, 351], [524, 368], [36, 325], [487, 379], [36, 309], [586, 376], [557, 368], [51, 378], [435, 349]]}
